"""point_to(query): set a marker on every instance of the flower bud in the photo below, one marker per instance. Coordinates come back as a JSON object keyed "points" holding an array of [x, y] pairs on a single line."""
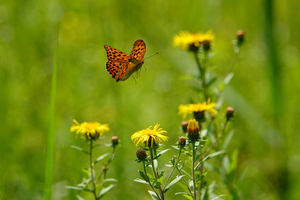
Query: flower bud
{"points": [[229, 113], [193, 131], [240, 35], [184, 125], [181, 142], [115, 140], [141, 154], [206, 45]]}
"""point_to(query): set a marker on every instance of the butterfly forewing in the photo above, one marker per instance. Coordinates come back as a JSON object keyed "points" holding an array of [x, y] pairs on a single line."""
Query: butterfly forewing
{"points": [[115, 54], [138, 51]]}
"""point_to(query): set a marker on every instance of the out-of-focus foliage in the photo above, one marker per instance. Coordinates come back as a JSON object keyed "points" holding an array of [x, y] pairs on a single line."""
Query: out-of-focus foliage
{"points": [[268, 145]]}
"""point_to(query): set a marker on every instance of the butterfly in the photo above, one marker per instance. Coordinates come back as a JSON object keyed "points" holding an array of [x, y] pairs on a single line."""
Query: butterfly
{"points": [[120, 65]]}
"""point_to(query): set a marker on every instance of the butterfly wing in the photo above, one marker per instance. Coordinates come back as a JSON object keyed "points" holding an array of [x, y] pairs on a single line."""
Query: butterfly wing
{"points": [[139, 50], [115, 55], [117, 62]]}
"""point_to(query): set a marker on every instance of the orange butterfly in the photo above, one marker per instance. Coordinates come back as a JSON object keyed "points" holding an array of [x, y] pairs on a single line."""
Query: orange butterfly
{"points": [[120, 65]]}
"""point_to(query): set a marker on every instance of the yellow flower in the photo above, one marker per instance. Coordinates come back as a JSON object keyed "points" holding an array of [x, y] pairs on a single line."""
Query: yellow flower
{"points": [[192, 41], [185, 39], [208, 36], [92, 130], [200, 107], [153, 136]]}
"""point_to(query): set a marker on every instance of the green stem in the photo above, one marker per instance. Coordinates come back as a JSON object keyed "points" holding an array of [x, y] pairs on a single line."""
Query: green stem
{"points": [[92, 170], [193, 170], [202, 76], [149, 180], [156, 174], [230, 66], [175, 164], [186, 184], [214, 144], [104, 170]]}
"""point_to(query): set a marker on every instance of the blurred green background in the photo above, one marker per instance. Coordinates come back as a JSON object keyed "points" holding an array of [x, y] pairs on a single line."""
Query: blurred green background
{"points": [[264, 90]]}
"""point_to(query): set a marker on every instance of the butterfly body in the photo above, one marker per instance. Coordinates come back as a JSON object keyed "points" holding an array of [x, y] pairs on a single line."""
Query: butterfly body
{"points": [[120, 65]]}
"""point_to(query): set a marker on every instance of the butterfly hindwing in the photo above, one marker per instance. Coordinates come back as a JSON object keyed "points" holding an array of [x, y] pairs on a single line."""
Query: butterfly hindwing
{"points": [[114, 68]]}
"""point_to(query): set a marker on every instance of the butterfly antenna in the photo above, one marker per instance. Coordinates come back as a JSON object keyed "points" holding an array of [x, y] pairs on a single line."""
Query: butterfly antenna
{"points": [[152, 55]]}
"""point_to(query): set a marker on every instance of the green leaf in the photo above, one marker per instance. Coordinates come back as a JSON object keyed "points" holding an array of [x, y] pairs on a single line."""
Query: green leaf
{"points": [[160, 178], [100, 158], [182, 165], [110, 179], [201, 162], [233, 162], [161, 153], [79, 197], [187, 174], [141, 181], [80, 149], [155, 162], [216, 153], [78, 188], [222, 195], [143, 175], [211, 81], [206, 195], [74, 188], [105, 190], [172, 183], [153, 195], [225, 163], [227, 140], [228, 78], [176, 147], [222, 86], [88, 172], [186, 195], [242, 176]]}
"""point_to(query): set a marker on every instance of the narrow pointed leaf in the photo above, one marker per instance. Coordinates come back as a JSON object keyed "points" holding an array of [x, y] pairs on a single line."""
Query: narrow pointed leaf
{"points": [[153, 195], [228, 78], [105, 190], [186, 195], [201, 162], [141, 181], [222, 195], [143, 175], [216, 153], [100, 158], [172, 183], [79, 197], [161, 153], [110, 179], [227, 140], [80, 149]]}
